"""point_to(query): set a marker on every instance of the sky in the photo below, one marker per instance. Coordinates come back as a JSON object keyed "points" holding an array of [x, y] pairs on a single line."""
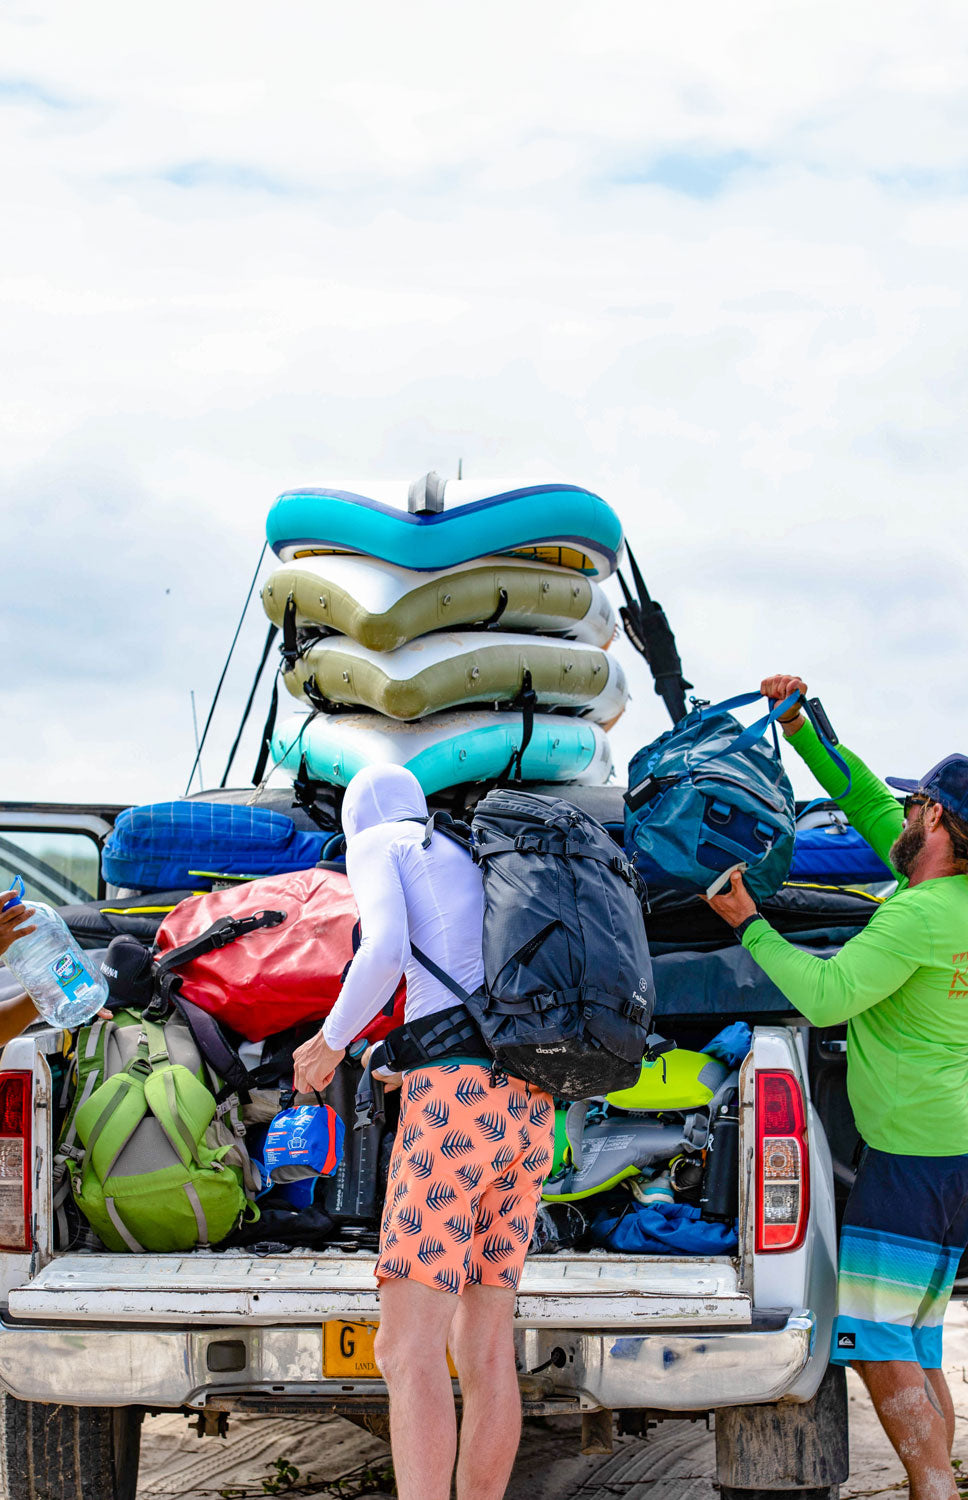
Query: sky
{"points": [[708, 261]]}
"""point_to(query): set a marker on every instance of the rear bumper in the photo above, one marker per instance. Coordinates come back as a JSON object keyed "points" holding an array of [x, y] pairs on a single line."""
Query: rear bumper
{"points": [[171, 1368]]}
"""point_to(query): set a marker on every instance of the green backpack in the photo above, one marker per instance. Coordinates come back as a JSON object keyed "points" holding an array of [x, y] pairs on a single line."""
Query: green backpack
{"points": [[154, 1163]]}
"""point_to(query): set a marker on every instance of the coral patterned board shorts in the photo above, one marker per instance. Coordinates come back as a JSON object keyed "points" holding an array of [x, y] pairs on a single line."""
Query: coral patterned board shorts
{"points": [[466, 1174]]}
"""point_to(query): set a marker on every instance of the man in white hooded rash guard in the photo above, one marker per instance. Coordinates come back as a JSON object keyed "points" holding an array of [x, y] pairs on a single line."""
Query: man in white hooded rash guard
{"points": [[469, 1159]]}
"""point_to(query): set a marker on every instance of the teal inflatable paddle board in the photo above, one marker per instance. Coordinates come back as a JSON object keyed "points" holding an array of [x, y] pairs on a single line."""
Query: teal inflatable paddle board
{"points": [[443, 671], [444, 750], [454, 521]]}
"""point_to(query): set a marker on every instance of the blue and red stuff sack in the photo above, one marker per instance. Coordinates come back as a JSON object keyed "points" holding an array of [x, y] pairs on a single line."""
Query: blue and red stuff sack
{"points": [[305, 1140]]}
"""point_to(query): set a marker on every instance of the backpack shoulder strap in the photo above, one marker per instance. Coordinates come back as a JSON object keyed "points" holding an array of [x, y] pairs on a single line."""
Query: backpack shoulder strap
{"points": [[439, 974], [212, 1043], [91, 1051], [442, 822]]}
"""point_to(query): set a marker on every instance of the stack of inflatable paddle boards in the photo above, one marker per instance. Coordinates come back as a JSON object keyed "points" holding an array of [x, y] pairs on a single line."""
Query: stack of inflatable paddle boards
{"points": [[455, 627]]}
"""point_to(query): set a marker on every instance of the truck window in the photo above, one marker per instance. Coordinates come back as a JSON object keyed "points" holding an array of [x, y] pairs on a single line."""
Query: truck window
{"points": [[59, 868]]}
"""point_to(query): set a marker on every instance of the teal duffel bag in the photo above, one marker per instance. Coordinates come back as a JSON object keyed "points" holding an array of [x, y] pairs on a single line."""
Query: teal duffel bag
{"points": [[709, 795]]}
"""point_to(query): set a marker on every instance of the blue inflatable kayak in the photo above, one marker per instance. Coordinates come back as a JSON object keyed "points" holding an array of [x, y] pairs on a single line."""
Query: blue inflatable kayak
{"points": [[560, 524], [444, 750]]}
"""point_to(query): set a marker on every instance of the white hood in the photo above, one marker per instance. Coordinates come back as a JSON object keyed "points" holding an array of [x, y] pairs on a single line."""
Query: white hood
{"points": [[381, 794]]}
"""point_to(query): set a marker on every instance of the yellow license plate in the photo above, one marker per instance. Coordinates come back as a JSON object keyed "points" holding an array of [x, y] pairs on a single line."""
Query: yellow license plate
{"points": [[348, 1351]]}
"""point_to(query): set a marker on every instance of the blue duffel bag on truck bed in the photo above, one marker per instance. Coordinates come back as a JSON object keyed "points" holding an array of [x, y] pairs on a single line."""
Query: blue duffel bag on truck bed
{"points": [[829, 851], [170, 844], [709, 796]]}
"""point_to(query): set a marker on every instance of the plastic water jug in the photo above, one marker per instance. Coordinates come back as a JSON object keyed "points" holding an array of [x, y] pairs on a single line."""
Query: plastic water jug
{"points": [[55, 972]]}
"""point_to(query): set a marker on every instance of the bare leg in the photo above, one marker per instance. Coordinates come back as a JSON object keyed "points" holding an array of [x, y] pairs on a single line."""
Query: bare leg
{"points": [[482, 1344], [913, 1417], [940, 1387], [411, 1352]]}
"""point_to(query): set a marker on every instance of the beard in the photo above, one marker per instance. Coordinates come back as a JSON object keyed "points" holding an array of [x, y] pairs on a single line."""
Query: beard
{"points": [[906, 848]]}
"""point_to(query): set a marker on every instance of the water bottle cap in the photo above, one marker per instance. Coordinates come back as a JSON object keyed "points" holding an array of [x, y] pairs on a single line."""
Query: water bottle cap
{"points": [[17, 898]]}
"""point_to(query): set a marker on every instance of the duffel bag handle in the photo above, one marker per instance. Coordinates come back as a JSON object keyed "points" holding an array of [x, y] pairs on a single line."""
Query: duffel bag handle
{"points": [[758, 730], [755, 731]]}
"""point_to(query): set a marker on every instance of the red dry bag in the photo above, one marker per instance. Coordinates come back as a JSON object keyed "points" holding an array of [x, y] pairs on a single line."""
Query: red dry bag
{"points": [[274, 977]]}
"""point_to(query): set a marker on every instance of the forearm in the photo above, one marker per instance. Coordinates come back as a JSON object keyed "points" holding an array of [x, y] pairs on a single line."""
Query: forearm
{"points": [[15, 1016], [870, 807], [828, 991]]}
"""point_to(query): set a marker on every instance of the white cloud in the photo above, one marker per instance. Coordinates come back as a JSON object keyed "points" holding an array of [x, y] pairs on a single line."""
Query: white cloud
{"points": [[710, 262]]}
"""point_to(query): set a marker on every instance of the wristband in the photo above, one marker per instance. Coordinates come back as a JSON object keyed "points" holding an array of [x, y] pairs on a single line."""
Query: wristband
{"points": [[795, 713], [739, 931]]}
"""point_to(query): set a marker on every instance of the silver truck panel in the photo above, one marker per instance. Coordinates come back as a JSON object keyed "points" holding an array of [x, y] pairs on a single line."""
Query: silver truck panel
{"points": [[164, 1367]]}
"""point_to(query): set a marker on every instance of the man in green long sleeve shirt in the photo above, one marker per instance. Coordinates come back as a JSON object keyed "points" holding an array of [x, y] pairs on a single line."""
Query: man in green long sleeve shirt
{"points": [[902, 987]]}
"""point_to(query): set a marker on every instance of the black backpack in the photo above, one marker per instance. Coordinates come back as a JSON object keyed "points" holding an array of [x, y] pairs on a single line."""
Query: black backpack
{"points": [[568, 996]]}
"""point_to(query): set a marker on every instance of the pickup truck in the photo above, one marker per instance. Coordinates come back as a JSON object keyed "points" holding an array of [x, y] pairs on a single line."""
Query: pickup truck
{"points": [[91, 1341]]}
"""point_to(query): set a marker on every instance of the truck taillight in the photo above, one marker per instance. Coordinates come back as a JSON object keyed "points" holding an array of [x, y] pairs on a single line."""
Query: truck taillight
{"points": [[782, 1162], [16, 1160]]}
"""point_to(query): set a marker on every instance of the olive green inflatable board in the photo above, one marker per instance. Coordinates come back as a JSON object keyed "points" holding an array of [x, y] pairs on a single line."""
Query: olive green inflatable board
{"points": [[444, 671], [383, 606], [444, 750], [435, 523]]}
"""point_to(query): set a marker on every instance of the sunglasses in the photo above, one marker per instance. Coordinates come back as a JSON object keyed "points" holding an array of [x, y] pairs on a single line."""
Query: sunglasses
{"points": [[916, 799]]}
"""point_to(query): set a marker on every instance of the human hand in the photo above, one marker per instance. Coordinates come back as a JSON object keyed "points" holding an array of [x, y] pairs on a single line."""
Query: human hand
{"points": [[390, 1081], [734, 905], [13, 922], [314, 1064], [780, 686]]}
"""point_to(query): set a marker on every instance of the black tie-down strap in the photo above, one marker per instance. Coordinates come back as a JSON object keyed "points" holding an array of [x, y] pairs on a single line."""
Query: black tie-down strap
{"points": [[651, 634], [273, 632], [526, 703]]}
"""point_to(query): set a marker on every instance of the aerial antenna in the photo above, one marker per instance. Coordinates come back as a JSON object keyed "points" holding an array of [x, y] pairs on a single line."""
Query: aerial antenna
{"points": [[198, 747], [460, 468]]}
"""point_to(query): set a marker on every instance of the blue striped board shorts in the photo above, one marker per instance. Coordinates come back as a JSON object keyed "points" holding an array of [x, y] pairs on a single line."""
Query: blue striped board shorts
{"points": [[892, 1287]]}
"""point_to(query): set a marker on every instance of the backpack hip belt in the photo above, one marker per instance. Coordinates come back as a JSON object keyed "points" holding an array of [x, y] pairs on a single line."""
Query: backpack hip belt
{"points": [[447, 1033]]}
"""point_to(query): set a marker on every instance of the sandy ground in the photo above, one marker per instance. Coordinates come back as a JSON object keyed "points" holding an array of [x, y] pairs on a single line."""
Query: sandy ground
{"points": [[677, 1462]]}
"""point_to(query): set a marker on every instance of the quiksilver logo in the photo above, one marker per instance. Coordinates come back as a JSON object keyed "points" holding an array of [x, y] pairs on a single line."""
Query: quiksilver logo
{"points": [[846, 1341]]}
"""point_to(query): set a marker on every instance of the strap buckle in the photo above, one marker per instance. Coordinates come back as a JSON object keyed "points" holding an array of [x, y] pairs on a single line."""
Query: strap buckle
{"points": [[638, 796]]}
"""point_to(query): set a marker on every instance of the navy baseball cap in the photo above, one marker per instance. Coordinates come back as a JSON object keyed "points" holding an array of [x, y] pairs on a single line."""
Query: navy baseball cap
{"points": [[947, 783]]}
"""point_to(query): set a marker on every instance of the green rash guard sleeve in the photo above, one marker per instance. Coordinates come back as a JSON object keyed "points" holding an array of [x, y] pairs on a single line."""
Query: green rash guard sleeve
{"points": [[867, 969], [869, 806]]}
